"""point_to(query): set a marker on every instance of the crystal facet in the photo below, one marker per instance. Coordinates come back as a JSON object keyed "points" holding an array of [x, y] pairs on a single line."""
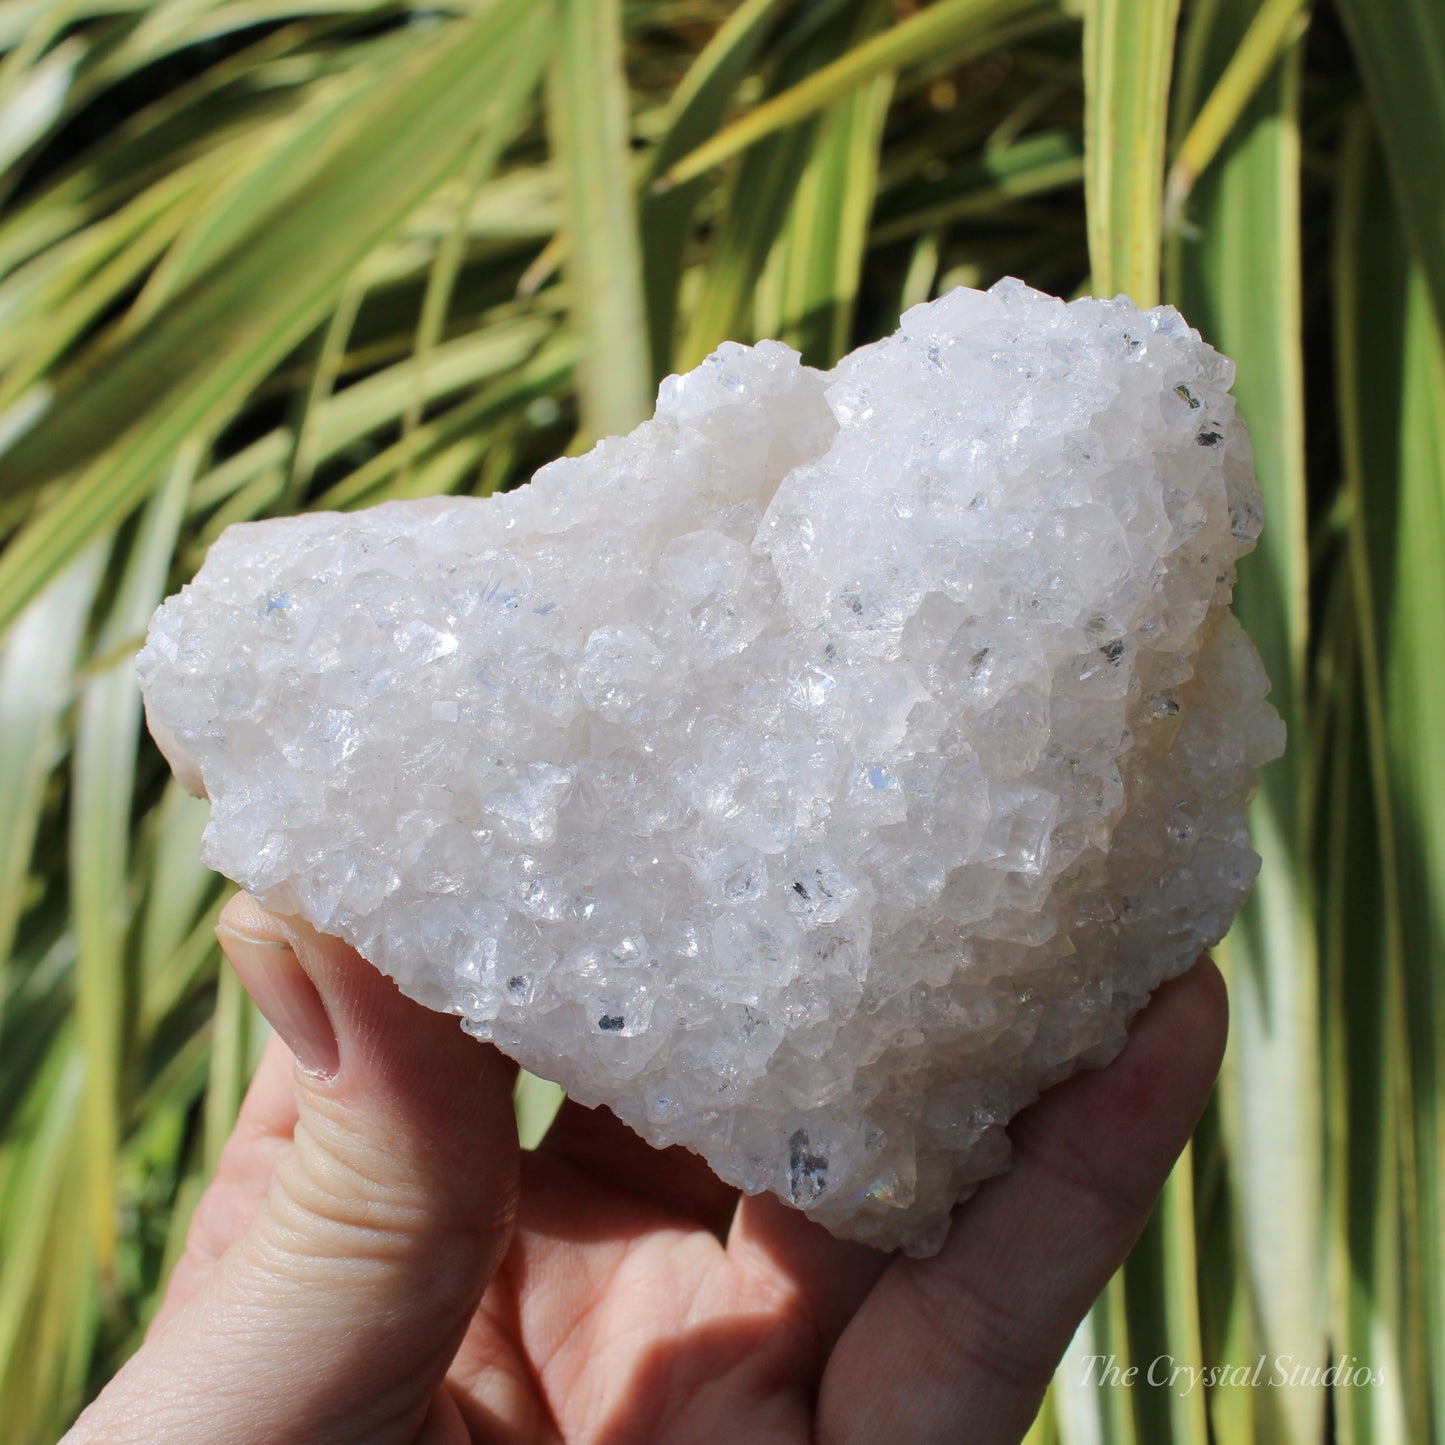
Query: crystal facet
{"points": [[812, 776]]}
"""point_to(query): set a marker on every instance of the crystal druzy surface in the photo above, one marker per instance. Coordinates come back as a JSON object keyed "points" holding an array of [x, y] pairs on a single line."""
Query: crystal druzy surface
{"points": [[811, 776]]}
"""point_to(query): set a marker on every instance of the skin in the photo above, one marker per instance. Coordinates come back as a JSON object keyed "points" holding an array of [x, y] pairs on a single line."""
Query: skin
{"points": [[377, 1261]]}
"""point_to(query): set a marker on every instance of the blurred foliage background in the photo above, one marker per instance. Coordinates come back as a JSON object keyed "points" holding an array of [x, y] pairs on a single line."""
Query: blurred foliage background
{"points": [[265, 255]]}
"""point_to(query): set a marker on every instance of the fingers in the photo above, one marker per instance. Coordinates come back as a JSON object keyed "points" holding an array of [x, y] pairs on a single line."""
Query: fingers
{"points": [[963, 1346], [335, 1314]]}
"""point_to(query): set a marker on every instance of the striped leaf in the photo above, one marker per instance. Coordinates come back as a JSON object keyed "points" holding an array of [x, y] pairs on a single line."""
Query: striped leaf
{"points": [[1128, 60], [587, 105]]}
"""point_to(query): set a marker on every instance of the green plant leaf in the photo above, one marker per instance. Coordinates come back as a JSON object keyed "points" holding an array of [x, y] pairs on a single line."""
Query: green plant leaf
{"points": [[1128, 60], [694, 112], [587, 106], [1394, 453], [34, 1190], [1033, 166], [1277, 25], [1415, 713], [1239, 281], [105, 746], [807, 291], [952, 28], [36, 669], [1401, 51]]}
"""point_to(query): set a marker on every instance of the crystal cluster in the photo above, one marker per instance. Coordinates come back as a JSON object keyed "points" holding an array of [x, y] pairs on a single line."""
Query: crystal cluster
{"points": [[812, 776]]}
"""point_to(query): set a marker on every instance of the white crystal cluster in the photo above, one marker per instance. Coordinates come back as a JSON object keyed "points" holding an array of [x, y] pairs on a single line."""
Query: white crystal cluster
{"points": [[811, 776]]}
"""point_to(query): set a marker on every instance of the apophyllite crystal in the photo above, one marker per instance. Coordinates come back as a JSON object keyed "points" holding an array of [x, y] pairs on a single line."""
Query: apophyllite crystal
{"points": [[812, 776]]}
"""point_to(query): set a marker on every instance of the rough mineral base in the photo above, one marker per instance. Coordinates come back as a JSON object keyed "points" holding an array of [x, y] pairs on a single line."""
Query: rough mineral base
{"points": [[812, 776]]}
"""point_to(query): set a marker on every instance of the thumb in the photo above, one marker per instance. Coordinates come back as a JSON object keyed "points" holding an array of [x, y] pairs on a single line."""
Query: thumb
{"points": [[337, 1312]]}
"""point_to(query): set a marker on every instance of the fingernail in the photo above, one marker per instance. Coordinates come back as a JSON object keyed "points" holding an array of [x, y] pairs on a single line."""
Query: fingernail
{"points": [[271, 973]]}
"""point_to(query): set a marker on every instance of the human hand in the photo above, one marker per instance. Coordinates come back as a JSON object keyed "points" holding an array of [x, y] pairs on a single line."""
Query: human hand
{"points": [[376, 1263]]}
